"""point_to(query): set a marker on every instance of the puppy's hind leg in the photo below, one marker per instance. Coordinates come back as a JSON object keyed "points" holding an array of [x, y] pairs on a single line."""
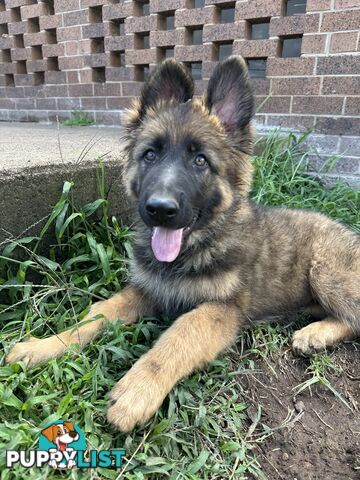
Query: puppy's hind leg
{"points": [[128, 305]]}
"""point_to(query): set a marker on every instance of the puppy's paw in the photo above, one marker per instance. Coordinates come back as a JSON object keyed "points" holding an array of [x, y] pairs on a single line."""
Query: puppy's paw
{"points": [[35, 350], [134, 399], [310, 339]]}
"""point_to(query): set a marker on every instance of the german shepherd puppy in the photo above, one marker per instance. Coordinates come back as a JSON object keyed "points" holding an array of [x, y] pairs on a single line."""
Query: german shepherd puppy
{"points": [[204, 252]]}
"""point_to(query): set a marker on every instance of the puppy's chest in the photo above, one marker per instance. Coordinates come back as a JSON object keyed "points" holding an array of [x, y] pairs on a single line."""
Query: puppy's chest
{"points": [[175, 293]]}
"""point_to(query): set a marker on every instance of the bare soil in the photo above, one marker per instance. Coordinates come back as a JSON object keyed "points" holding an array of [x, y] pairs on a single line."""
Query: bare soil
{"points": [[322, 438]]}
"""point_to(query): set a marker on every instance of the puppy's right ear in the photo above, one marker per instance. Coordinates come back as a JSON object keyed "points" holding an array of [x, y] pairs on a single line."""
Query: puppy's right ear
{"points": [[169, 80]]}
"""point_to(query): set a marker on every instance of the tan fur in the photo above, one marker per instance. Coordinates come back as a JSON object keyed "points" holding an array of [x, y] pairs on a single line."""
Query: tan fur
{"points": [[248, 262], [51, 433]]}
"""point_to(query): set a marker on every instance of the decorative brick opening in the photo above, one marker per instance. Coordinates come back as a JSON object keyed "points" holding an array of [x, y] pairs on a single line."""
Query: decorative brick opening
{"points": [[167, 21], [195, 69], [50, 36], [223, 50], [51, 9], [21, 67], [9, 80], [142, 72], [295, 7], [2, 6], [36, 52], [15, 14], [142, 8], [142, 41], [34, 25], [95, 14], [98, 74], [97, 45], [6, 55], [19, 41], [53, 64], [4, 29], [167, 52], [258, 29], [226, 13], [194, 35], [257, 67], [291, 46], [39, 78], [117, 26], [117, 58], [195, 4]]}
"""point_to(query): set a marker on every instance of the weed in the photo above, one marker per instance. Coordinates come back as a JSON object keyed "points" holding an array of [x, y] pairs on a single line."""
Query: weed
{"points": [[78, 119]]}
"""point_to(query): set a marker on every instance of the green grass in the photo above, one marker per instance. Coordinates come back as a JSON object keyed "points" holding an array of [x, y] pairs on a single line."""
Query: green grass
{"points": [[202, 430], [78, 119]]}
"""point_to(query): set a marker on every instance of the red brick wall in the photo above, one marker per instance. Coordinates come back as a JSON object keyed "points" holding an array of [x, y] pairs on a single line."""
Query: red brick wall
{"points": [[61, 55]]}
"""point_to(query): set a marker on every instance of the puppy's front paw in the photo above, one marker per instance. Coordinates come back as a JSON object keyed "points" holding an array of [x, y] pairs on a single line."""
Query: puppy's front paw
{"points": [[310, 339], [35, 350], [135, 398]]}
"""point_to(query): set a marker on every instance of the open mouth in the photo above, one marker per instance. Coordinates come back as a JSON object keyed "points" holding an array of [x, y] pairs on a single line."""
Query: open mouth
{"points": [[166, 242]]}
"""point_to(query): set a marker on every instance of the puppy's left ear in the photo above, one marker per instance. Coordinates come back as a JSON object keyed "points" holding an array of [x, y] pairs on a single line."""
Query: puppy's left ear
{"points": [[230, 95], [169, 80]]}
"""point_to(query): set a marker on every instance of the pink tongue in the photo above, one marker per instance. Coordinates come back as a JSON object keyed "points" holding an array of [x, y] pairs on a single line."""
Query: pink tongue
{"points": [[166, 243]]}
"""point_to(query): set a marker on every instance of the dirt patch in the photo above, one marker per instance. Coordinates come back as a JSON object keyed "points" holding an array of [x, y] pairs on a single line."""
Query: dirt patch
{"points": [[321, 439]]}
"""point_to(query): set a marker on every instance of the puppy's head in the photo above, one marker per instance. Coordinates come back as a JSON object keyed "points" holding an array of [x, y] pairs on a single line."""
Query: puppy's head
{"points": [[186, 162], [63, 431]]}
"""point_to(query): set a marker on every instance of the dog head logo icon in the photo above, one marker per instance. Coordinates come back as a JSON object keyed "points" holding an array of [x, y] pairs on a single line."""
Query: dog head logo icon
{"points": [[63, 439]]}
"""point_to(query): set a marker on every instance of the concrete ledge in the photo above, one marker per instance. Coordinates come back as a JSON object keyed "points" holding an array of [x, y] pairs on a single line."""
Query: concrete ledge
{"points": [[32, 172]]}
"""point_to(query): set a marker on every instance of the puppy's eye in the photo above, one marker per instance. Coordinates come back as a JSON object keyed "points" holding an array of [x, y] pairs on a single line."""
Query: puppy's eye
{"points": [[150, 156], [200, 161]]}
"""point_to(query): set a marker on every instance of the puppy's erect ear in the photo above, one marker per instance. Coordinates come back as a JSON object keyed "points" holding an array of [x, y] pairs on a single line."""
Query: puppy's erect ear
{"points": [[50, 433], [169, 80], [230, 95]]}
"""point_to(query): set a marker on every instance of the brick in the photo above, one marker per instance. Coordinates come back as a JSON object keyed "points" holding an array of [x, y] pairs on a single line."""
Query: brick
{"points": [[194, 17], [78, 17], [326, 164], [55, 50], [123, 74], [140, 24], [290, 66], [258, 9], [317, 105], [261, 86], [141, 56], [36, 10], [65, 34], [71, 63], [344, 42], [55, 90], [96, 60], [256, 48], [335, 21], [54, 77], [18, 28], [166, 5], [352, 107], [298, 123], [118, 11], [66, 5], [93, 103], [313, 44], [343, 65], [343, 4], [167, 38], [341, 86], [318, 5], [338, 126], [25, 103], [31, 39], [293, 25], [5, 16], [93, 30], [272, 104], [223, 32], [131, 89], [295, 86], [193, 53], [81, 90], [322, 144], [108, 118], [107, 89], [119, 43], [116, 103], [50, 21], [68, 103], [45, 103], [350, 145]]}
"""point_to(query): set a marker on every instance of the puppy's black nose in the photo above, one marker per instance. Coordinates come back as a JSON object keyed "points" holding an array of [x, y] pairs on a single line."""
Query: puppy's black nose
{"points": [[161, 209], [73, 434]]}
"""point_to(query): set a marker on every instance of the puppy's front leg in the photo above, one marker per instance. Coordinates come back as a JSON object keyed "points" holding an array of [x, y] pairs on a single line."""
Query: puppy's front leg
{"points": [[193, 340]]}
